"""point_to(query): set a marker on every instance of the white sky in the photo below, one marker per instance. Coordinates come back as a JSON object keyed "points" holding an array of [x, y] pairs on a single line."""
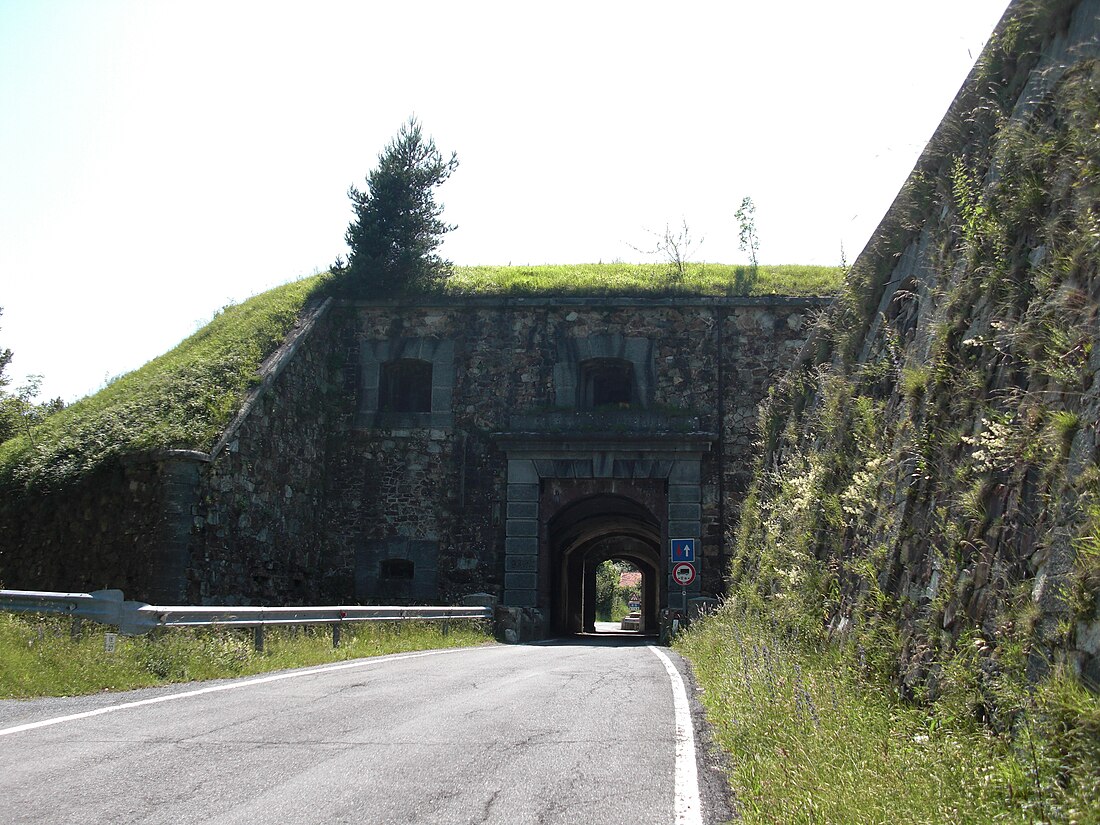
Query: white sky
{"points": [[159, 160]]}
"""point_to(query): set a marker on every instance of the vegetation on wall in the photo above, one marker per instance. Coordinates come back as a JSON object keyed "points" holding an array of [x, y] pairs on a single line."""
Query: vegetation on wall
{"points": [[925, 512], [182, 400], [645, 280]]}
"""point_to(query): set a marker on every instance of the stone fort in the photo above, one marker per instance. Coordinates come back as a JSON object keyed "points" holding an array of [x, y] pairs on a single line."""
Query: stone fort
{"points": [[423, 450]]}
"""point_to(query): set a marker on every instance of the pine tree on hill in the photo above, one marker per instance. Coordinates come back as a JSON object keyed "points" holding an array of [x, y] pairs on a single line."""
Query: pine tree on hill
{"points": [[397, 229]]}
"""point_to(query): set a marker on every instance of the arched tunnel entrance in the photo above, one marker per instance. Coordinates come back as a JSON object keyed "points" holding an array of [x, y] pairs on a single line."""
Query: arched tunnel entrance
{"points": [[588, 532]]}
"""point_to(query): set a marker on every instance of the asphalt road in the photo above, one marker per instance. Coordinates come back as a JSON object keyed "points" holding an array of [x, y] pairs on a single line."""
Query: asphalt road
{"points": [[578, 732]]}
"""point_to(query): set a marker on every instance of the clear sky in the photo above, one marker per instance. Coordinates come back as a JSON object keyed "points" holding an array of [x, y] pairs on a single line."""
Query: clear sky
{"points": [[159, 160]]}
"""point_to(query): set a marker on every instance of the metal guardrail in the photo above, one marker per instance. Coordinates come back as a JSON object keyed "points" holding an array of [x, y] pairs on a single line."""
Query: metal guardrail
{"points": [[134, 618]]}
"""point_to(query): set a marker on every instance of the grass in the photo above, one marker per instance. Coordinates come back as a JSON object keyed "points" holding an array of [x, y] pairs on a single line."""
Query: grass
{"points": [[813, 738], [38, 657], [639, 280], [181, 400]]}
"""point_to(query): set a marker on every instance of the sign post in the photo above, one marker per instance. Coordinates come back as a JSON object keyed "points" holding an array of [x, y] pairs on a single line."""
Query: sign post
{"points": [[683, 573]]}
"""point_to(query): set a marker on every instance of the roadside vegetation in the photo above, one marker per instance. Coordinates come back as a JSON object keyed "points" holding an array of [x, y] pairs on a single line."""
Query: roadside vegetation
{"points": [[39, 658], [896, 645], [817, 734]]}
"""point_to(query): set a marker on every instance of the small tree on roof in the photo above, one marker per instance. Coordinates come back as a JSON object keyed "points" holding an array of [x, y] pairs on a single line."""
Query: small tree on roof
{"points": [[397, 229]]}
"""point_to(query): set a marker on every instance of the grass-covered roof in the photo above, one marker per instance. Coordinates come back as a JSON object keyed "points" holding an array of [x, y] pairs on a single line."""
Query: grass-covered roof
{"points": [[185, 398]]}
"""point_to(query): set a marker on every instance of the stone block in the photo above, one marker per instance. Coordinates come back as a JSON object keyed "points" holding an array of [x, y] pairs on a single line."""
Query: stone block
{"points": [[520, 581], [521, 545], [684, 494], [684, 529], [685, 512], [523, 509], [479, 600], [521, 564], [521, 527], [442, 398], [522, 471], [520, 598], [685, 472], [523, 492]]}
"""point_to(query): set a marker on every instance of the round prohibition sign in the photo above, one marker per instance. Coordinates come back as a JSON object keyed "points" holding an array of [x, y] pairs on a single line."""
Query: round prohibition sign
{"points": [[683, 573]]}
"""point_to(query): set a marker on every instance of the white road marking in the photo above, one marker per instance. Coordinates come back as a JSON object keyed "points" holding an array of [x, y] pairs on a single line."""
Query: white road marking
{"points": [[688, 808], [313, 671]]}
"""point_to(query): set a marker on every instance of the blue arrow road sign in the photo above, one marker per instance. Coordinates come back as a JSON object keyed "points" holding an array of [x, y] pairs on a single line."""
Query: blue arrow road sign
{"points": [[683, 550]]}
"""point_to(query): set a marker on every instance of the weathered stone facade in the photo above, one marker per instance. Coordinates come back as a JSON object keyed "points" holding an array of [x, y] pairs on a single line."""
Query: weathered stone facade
{"points": [[425, 450]]}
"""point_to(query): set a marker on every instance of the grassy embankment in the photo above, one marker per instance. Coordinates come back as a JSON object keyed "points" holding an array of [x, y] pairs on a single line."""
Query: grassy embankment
{"points": [[180, 400], [815, 736], [879, 501], [653, 280], [38, 657]]}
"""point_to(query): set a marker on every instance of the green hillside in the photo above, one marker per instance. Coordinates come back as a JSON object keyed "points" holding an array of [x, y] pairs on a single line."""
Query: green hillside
{"points": [[181, 400]]}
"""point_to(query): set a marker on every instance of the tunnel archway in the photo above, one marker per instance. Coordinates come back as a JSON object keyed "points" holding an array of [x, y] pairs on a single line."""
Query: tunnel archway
{"points": [[590, 531]]}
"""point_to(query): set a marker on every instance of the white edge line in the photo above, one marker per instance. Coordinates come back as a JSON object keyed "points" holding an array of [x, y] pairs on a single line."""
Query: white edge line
{"points": [[688, 808], [313, 671]]}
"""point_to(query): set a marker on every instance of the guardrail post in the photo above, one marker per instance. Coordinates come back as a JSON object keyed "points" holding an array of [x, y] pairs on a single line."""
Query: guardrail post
{"points": [[335, 636], [258, 638], [76, 628], [446, 627]]}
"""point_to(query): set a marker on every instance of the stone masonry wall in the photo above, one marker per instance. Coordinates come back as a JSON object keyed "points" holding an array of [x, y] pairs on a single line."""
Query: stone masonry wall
{"points": [[314, 495], [117, 529], [424, 486], [256, 524]]}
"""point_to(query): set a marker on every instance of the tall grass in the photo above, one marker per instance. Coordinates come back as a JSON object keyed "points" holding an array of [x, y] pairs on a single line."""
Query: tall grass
{"points": [[183, 399], [38, 657], [813, 738], [644, 280]]}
